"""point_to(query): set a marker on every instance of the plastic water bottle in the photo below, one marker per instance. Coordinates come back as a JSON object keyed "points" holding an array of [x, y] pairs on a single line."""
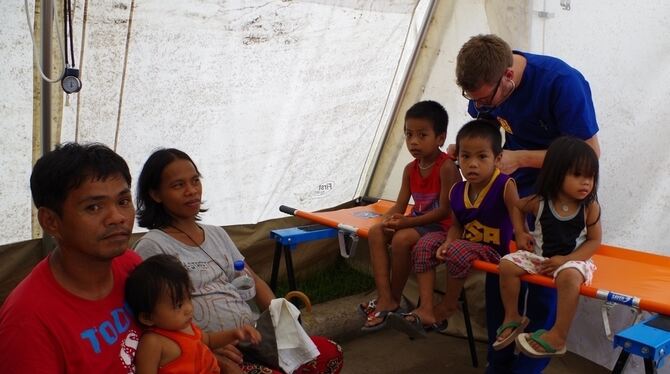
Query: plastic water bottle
{"points": [[243, 282]]}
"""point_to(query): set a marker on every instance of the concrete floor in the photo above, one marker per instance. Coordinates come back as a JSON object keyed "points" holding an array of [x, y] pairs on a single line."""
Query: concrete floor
{"points": [[389, 351]]}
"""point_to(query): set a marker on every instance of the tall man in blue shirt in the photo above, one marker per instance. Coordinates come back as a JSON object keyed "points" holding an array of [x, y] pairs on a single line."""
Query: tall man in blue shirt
{"points": [[535, 99]]}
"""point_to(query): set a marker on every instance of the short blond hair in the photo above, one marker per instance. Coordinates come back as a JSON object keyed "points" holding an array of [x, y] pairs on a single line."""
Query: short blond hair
{"points": [[482, 59]]}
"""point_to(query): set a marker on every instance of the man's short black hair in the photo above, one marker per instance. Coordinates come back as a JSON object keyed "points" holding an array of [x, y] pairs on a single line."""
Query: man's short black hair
{"points": [[67, 167], [432, 111]]}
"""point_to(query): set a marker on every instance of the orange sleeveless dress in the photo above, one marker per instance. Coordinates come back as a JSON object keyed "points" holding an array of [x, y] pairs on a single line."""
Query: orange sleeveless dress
{"points": [[195, 357]]}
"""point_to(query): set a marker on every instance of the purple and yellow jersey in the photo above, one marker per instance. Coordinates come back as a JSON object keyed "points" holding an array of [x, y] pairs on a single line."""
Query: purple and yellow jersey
{"points": [[485, 220]]}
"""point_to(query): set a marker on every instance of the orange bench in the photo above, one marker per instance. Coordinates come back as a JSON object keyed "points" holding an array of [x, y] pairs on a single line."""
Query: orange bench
{"points": [[624, 276]]}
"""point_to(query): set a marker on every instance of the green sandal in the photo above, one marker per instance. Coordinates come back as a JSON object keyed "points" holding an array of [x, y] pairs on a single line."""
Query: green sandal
{"points": [[528, 350], [517, 328]]}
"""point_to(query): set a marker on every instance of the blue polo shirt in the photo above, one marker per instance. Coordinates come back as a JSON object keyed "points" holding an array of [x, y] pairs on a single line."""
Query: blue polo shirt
{"points": [[553, 99]]}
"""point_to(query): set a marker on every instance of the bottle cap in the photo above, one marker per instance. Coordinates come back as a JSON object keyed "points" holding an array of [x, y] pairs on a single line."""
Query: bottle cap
{"points": [[239, 265]]}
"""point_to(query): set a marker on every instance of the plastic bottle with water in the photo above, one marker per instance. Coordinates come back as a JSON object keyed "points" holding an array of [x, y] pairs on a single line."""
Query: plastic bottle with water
{"points": [[243, 282]]}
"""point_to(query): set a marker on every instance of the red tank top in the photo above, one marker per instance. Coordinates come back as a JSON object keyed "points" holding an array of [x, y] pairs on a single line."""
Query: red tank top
{"points": [[195, 355], [426, 190]]}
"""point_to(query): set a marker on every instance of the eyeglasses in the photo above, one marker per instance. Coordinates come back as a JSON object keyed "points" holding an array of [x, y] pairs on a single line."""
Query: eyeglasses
{"points": [[484, 102]]}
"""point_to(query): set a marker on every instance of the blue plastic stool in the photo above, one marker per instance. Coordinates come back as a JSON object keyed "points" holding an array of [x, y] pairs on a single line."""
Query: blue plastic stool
{"points": [[287, 240], [649, 339]]}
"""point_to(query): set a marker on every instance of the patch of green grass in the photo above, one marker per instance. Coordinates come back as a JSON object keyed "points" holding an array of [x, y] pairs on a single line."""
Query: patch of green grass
{"points": [[336, 281]]}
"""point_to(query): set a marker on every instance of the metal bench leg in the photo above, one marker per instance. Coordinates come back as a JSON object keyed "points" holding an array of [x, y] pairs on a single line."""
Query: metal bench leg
{"points": [[620, 362], [288, 259], [275, 267], [468, 329], [649, 367], [468, 325]]}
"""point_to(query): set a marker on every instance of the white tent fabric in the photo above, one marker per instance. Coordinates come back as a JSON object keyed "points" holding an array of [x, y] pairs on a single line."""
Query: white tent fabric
{"points": [[278, 103], [627, 62], [16, 124]]}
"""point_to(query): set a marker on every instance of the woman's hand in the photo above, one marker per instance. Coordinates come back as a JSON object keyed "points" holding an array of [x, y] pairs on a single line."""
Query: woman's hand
{"points": [[229, 358]]}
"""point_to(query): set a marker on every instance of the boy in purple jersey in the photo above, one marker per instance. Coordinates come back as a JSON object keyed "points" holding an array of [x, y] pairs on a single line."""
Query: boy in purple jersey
{"points": [[481, 209], [481, 227]]}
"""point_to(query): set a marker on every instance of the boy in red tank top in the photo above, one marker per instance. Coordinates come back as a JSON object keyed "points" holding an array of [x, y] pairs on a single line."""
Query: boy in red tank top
{"points": [[427, 181]]}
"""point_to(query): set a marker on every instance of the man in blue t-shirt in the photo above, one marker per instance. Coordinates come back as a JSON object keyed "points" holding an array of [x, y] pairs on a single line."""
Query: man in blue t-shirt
{"points": [[535, 99]]}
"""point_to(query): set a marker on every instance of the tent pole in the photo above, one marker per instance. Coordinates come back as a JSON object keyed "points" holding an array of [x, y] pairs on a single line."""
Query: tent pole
{"points": [[48, 242], [370, 188], [47, 20]]}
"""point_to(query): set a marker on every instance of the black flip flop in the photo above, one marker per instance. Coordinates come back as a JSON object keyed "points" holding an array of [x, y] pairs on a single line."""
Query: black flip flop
{"points": [[414, 328]]}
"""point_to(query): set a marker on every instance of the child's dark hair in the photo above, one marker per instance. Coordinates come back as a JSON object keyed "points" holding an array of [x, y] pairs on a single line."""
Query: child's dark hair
{"points": [[432, 111], [67, 167], [565, 155], [481, 128], [152, 214], [157, 274]]}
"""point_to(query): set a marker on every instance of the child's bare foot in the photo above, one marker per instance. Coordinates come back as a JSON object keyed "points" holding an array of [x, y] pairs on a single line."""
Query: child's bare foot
{"points": [[416, 324], [426, 315]]}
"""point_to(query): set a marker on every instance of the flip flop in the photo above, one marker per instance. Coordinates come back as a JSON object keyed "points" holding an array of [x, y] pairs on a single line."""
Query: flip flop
{"points": [[368, 308], [376, 327], [410, 324], [525, 347], [440, 326], [517, 328]]}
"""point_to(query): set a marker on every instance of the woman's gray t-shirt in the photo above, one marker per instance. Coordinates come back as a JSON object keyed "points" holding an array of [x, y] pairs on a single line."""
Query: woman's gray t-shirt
{"points": [[216, 303]]}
